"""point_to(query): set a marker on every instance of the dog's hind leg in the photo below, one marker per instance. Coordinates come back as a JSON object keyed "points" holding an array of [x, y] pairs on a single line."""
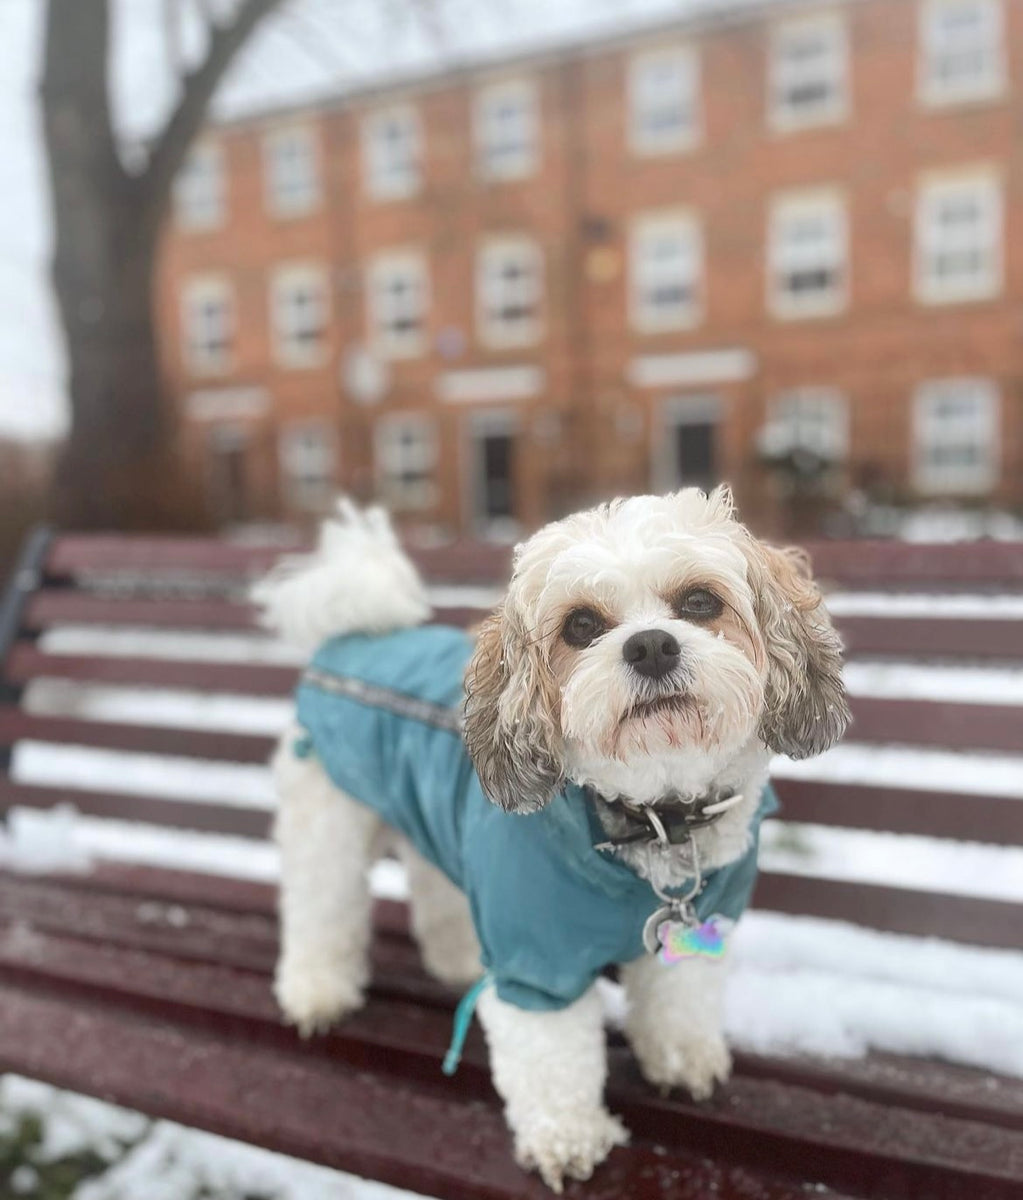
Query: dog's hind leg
{"points": [[326, 842], [441, 922]]}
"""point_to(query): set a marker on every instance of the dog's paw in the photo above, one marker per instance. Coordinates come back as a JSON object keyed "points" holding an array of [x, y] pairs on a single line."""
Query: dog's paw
{"points": [[697, 1064], [568, 1146], [314, 998]]}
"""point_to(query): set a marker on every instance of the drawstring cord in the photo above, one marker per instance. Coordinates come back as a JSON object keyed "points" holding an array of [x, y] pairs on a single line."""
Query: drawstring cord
{"points": [[463, 1019]]}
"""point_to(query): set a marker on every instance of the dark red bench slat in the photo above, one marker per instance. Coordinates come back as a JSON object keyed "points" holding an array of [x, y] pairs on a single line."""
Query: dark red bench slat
{"points": [[932, 637], [69, 607], [75, 554], [58, 607], [965, 816], [143, 739], [937, 723], [252, 679], [198, 816], [970, 919], [883, 565]]}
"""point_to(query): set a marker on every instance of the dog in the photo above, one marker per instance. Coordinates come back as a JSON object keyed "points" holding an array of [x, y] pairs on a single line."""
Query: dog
{"points": [[588, 795]]}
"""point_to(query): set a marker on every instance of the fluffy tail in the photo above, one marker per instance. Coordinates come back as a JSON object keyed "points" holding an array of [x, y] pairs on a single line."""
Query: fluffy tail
{"points": [[358, 580]]}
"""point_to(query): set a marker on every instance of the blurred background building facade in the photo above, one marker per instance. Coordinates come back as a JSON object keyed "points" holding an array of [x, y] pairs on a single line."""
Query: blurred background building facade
{"points": [[782, 247]]}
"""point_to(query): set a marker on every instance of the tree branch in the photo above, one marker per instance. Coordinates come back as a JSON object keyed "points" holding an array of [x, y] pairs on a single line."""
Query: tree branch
{"points": [[198, 86]]}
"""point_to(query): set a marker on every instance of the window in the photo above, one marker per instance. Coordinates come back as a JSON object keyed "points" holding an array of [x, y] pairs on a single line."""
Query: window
{"points": [[398, 300], [507, 130], [391, 152], [299, 305], [666, 272], [811, 419], [292, 172], [308, 458], [200, 190], [406, 460], [809, 72], [509, 291], [208, 321], [956, 436], [959, 239], [962, 50], [664, 100], [807, 267]]}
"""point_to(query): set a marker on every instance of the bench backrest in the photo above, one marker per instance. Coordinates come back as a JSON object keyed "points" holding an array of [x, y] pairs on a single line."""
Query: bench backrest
{"points": [[145, 632]]}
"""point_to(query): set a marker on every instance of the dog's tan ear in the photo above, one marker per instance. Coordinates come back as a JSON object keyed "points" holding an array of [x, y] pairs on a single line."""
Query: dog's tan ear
{"points": [[805, 708], [511, 729]]}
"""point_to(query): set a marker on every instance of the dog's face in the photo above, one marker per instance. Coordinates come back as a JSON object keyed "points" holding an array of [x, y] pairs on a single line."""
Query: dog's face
{"points": [[649, 627]]}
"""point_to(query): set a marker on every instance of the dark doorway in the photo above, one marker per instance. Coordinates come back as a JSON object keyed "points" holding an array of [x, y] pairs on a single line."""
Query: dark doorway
{"points": [[696, 454], [227, 455], [497, 454]]}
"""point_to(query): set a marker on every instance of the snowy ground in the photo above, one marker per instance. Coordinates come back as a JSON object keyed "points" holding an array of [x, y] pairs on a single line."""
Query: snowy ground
{"points": [[798, 985]]}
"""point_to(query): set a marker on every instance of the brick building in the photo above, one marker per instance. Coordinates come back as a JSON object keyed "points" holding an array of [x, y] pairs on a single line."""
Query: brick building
{"points": [[776, 242]]}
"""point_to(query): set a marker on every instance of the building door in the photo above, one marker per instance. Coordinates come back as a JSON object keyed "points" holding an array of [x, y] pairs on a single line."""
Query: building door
{"points": [[492, 455], [688, 455], [227, 457]]}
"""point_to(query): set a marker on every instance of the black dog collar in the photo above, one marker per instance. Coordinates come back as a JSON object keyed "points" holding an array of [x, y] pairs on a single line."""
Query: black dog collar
{"points": [[668, 822]]}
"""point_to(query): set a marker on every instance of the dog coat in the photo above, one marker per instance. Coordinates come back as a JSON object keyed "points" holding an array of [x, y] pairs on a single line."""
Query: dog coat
{"points": [[382, 713]]}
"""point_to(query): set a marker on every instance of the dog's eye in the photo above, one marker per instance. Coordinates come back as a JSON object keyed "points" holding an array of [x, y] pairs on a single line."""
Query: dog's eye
{"points": [[699, 605], [582, 626]]}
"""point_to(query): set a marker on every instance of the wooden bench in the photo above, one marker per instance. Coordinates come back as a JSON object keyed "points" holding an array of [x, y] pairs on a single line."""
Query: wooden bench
{"points": [[149, 986]]}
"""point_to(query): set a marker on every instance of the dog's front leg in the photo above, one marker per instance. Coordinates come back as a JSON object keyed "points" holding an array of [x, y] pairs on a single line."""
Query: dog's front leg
{"points": [[550, 1068], [674, 1022]]}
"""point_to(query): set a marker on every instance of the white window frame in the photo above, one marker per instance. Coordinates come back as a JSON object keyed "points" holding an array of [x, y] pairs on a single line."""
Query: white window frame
{"points": [[932, 89], [496, 294], [785, 75], [200, 189], [815, 419], [385, 312], [644, 275], [292, 191], [406, 470], [200, 355], [784, 259], [387, 176], [291, 347], [981, 427], [648, 139], [930, 285], [307, 453], [500, 156]]}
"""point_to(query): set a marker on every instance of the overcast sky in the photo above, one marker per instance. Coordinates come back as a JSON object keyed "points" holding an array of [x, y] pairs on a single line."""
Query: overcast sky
{"points": [[312, 48]]}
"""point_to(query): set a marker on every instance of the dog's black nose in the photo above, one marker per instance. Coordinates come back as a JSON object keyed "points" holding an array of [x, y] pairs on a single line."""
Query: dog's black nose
{"points": [[652, 653]]}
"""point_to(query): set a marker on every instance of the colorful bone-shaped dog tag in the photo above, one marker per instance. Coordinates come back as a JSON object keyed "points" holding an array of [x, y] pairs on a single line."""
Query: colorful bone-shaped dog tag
{"points": [[678, 939]]}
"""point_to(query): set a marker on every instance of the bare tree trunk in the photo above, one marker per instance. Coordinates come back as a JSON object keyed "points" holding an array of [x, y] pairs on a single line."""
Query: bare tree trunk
{"points": [[121, 467]]}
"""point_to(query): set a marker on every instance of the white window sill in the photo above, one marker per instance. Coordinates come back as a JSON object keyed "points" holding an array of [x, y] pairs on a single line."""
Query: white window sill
{"points": [[783, 122], [938, 297], [818, 309]]}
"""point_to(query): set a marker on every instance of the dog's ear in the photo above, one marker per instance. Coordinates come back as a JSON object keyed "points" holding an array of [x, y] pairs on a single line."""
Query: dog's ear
{"points": [[511, 726], [805, 708]]}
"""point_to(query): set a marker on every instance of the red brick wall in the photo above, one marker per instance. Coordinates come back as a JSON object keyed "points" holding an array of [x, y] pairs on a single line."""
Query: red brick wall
{"points": [[579, 206]]}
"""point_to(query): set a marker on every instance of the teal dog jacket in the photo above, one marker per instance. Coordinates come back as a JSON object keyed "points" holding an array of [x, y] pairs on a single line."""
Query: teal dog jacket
{"points": [[383, 715]]}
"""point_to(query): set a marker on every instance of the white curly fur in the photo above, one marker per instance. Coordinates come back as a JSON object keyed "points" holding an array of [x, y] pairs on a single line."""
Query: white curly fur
{"points": [[536, 714]]}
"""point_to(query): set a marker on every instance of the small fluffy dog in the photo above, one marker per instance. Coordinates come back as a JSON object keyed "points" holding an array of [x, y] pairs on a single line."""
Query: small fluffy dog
{"points": [[592, 796]]}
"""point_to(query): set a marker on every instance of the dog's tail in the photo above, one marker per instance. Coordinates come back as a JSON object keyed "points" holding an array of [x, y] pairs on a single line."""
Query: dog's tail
{"points": [[358, 580]]}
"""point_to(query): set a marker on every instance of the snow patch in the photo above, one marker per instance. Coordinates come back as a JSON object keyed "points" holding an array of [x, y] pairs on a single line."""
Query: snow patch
{"points": [[909, 767], [918, 681], [907, 604], [893, 860]]}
